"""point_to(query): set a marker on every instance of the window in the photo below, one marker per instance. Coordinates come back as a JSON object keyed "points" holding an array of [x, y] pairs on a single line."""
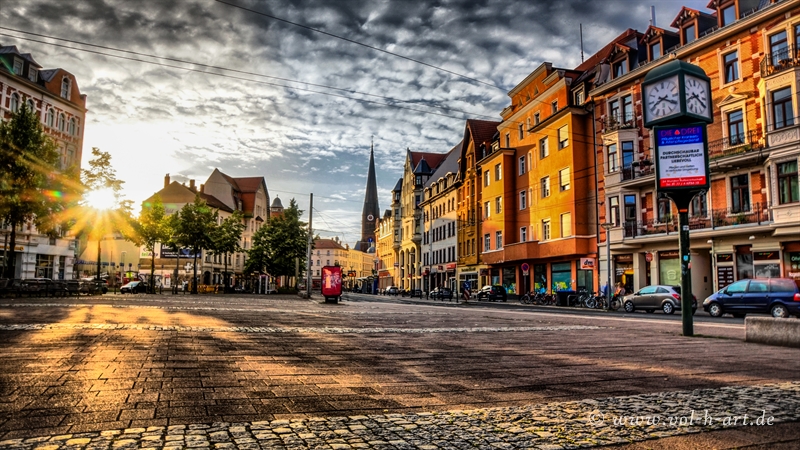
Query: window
{"points": [[497, 172], [620, 68], [498, 205], [545, 183], [788, 190], [566, 225], [536, 118], [487, 242], [18, 64], [49, 117], [664, 210], [655, 51], [613, 109], [728, 15], [498, 240], [630, 208], [563, 179], [736, 127], [523, 200], [613, 211], [62, 122], [699, 207], [778, 48], [689, 34], [486, 178], [554, 105], [544, 152], [31, 106], [627, 108], [33, 74], [521, 165], [65, 88], [612, 158], [579, 98], [14, 103], [545, 229], [508, 140], [563, 137], [731, 62], [487, 210], [521, 131], [523, 234], [72, 127], [740, 195], [782, 112]]}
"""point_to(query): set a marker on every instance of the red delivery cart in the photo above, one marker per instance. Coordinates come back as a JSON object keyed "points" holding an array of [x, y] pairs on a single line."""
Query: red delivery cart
{"points": [[332, 283]]}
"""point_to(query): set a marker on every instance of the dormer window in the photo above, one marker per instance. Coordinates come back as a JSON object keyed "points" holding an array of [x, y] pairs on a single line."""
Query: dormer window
{"points": [[18, 64], [65, 88], [655, 51], [620, 68], [33, 74], [727, 15], [689, 33]]}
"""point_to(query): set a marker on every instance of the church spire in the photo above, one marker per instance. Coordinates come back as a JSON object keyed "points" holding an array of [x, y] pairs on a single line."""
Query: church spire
{"points": [[371, 209]]}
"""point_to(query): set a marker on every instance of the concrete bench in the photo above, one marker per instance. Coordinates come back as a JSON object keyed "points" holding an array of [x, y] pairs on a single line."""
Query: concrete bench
{"points": [[772, 331]]}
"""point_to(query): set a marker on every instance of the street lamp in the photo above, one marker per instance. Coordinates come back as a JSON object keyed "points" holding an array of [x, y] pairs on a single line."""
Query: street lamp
{"points": [[607, 226]]}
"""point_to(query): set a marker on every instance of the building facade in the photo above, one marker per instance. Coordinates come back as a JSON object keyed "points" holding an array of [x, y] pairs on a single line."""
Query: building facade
{"points": [[53, 95]]}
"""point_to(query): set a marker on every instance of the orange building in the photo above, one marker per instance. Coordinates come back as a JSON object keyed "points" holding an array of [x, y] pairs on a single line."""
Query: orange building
{"points": [[746, 225]]}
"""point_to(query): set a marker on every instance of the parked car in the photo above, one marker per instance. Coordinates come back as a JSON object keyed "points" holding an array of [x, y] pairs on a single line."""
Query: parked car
{"points": [[779, 297], [493, 293], [102, 285], [132, 287], [441, 294], [392, 290], [656, 297], [415, 293]]}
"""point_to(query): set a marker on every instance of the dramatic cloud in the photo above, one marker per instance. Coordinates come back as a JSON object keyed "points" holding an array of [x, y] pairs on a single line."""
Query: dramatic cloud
{"points": [[243, 92]]}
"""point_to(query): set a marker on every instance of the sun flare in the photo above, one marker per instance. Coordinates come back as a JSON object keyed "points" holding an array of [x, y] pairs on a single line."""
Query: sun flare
{"points": [[101, 199]]}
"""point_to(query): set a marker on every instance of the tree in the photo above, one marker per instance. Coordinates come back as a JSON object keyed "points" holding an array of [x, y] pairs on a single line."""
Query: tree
{"points": [[277, 246], [193, 229], [32, 187], [226, 239], [153, 227], [101, 175]]}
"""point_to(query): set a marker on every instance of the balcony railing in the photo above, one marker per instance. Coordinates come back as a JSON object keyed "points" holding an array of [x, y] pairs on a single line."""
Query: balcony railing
{"points": [[735, 144], [619, 122], [637, 169], [783, 59], [724, 217]]}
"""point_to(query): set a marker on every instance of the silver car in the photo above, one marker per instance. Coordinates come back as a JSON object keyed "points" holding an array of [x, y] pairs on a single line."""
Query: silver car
{"points": [[650, 298]]}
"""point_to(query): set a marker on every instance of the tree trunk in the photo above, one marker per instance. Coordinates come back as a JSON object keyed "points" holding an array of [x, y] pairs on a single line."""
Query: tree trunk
{"points": [[194, 272], [153, 269], [12, 254], [226, 271]]}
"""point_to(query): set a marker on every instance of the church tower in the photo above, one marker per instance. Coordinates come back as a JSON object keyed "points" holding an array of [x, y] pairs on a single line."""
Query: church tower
{"points": [[370, 213]]}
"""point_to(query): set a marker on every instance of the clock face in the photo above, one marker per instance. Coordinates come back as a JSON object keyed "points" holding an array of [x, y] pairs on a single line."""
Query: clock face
{"points": [[697, 96], [661, 98], [369, 217]]}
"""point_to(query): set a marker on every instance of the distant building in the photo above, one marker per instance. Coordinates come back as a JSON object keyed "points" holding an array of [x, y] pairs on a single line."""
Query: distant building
{"points": [[53, 95], [371, 210]]}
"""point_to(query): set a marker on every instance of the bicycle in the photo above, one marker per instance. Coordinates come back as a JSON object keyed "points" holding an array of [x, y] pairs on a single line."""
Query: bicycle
{"points": [[526, 299]]}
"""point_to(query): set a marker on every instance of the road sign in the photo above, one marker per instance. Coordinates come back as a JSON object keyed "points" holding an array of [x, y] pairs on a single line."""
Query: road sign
{"points": [[525, 268], [648, 256]]}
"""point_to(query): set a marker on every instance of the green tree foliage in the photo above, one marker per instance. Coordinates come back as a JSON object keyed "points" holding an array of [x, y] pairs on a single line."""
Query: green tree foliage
{"points": [[194, 228], [32, 186], [276, 246], [101, 175], [226, 238], [153, 227]]}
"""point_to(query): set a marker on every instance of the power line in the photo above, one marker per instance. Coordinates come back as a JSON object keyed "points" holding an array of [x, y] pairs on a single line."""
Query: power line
{"points": [[360, 43]]}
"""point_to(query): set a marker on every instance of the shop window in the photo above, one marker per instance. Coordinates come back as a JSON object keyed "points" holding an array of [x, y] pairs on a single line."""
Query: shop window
{"points": [[562, 276], [669, 266]]}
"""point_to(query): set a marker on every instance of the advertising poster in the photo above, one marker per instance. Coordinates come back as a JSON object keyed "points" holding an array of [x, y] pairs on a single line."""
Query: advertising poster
{"points": [[681, 157], [167, 252]]}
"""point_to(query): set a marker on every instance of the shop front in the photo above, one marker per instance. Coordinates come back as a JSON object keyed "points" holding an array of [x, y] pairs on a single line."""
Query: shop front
{"points": [[791, 260], [669, 268], [623, 271]]}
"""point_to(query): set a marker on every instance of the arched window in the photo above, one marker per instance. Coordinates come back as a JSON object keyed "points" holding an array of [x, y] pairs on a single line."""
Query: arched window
{"points": [[72, 127], [31, 106], [62, 122], [65, 87], [49, 117], [14, 103]]}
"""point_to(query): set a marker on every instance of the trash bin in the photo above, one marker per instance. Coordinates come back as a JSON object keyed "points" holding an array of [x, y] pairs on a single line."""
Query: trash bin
{"points": [[562, 297]]}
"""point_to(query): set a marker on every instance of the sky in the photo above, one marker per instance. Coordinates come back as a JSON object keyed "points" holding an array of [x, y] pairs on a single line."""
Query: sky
{"points": [[249, 87]]}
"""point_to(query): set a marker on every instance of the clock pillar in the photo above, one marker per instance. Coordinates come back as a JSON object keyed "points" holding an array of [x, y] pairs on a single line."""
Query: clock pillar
{"points": [[677, 108]]}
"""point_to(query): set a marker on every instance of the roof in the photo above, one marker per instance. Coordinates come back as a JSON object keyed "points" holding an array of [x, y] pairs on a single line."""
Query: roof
{"points": [[603, 53], [277, 203], [482, 130], [176, 193], [327, 244], [423, 168], [450, 164], [687, 12], [398, 186], [431, 159]]}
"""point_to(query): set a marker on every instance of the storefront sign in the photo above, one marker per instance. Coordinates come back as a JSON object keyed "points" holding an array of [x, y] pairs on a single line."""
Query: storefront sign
{"points": [[623, 258], [681, 158], [724, 276], [587, 263], [794, 263], [484, 272], [672, 254], [765, 256], [724, 257], [451, 266], [648, 257]]}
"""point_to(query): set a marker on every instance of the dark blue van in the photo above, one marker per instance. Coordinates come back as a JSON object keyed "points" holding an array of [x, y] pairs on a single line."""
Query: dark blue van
{"points": [[777, 296]]}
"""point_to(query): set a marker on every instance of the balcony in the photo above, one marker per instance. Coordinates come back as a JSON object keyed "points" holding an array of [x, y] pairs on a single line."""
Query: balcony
{"points": [[724, 217], [737, 144], [780, 61], [619, 122]]}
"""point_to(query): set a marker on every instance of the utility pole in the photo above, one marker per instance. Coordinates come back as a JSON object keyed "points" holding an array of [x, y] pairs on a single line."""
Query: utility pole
{"points": [[310, 241]]}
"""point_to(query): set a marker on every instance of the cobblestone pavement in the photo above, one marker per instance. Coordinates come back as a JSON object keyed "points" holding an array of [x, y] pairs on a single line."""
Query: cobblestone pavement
{"points": [[223, 372]]}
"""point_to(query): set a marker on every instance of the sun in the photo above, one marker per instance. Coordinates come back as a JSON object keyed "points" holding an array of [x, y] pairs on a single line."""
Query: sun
{"points": [[101, 199]]}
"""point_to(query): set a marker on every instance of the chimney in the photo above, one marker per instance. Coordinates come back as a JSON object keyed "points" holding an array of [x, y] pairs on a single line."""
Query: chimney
{"points": [[192, 186], [166, 180], [203, 188]]}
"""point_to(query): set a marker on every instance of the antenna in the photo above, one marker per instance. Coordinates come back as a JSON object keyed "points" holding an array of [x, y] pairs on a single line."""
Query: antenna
{"points": [[581, 29]]}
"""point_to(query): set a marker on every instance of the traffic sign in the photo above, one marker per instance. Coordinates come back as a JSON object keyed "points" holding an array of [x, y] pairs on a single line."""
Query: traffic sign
{"points": [[525, 268], [648, 256]]}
